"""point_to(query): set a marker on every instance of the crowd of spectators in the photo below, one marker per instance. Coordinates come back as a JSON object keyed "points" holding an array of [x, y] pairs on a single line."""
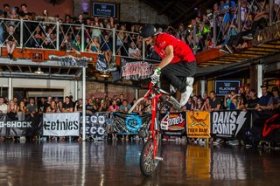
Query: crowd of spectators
{"points": [[198, 33]]}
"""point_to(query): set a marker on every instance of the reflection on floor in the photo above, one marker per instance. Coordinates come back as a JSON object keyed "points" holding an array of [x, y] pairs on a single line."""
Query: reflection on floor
{"points": [[113, 164]]}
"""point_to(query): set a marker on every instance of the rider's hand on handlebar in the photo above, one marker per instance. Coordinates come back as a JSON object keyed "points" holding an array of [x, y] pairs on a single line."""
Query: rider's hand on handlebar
{"points": [[156, 76]]}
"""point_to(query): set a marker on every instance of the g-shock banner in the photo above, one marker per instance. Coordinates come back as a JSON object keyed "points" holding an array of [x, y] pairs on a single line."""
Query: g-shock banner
{"points": [[173, 123], [229, 123]]}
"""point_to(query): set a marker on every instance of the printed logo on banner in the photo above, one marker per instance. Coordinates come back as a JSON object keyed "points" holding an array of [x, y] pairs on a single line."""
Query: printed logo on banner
{"points": [[172, 122], [198, 124], [61, 124], [133, 123], [95, 124], [228, 123]]}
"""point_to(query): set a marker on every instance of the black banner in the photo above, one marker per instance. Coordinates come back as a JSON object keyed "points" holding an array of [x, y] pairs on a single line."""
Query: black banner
{"points": [[104, 9], [124, 123], [12, 126], [223, 87], [229, 124], [96, 124]]}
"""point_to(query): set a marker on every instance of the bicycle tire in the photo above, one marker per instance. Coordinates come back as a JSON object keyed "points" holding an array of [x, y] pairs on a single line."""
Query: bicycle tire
{"points": [[148, 165]]}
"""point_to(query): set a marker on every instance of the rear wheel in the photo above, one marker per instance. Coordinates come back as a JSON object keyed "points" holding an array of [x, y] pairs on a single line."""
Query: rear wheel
{"points": [[147, 162]]}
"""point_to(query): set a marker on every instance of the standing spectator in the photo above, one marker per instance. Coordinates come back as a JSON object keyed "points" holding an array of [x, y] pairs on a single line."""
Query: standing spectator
{"points": [[214, 102], [24, 11], [133, 51], [114, 107], [67, 106], [199, 104], [6, 10], [52, 107], [264, 100], [253, 100], [11, 116], [21, 111], [125, 106], [31, 109], [3, 106], [79, 106], [274, 102], [206, 105]]}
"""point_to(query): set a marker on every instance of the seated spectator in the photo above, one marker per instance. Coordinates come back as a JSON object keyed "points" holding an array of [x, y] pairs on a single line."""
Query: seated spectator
{"points": [[199, 104], [12, 39], [66, 44], [133, 51], [76, 43], [94, 45]]}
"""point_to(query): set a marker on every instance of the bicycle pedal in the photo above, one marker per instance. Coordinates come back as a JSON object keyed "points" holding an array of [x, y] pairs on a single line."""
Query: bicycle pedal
{"points": [[159, 158]]}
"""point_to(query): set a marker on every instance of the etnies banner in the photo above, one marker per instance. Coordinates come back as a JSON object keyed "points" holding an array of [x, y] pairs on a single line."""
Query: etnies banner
{"points": [[198, 124], [61, 124]]}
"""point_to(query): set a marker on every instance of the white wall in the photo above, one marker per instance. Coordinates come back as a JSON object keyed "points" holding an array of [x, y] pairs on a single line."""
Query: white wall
{"points": [[68, 86]]}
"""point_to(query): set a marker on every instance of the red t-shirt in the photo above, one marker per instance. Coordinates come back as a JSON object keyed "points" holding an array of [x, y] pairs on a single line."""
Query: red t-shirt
{"points": [[182, 51]]}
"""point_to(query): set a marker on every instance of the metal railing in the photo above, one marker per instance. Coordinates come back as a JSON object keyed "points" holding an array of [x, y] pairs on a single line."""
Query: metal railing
{"points": [[78, 37]]}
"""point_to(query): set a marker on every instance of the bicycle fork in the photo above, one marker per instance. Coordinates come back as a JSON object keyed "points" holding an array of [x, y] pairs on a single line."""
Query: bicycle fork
{"points": [[154, 127]]}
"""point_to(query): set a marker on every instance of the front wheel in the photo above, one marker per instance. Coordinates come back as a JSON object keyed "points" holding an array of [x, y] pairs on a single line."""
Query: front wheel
{"points": [[148, 163]]}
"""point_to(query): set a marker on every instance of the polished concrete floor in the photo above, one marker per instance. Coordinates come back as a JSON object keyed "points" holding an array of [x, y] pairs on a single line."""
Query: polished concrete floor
{"points": [[113, 164]]}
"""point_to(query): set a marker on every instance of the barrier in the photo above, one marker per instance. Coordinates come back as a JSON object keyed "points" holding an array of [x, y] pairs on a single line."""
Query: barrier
{"points": [[173, 124], [11, 127], [229, 124], [198, 124]]}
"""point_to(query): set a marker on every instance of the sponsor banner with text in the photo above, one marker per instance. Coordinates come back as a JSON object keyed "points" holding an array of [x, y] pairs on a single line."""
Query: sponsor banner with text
{"points": [[173, 124], [230, 123], [61, 124], [198, 124]]}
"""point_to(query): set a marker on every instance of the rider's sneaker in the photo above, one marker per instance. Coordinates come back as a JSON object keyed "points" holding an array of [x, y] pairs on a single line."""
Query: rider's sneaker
{"points": [[184, 98], [172, 89]]}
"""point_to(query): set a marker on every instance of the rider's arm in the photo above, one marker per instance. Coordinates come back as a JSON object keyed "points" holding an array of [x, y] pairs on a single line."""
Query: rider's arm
{"points": [[168, 58]]}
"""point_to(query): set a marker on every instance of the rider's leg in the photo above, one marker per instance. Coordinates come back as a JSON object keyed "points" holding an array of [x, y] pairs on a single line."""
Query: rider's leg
{"points": [[186, 94]]}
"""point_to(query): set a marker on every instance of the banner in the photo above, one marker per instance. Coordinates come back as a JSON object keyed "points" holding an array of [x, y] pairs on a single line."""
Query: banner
{"points": [[223, 87], [137, 70], [173, 124], [229, 124], [130, 123], [61, 124], [198, 124], [14, 127], [96, 124]]}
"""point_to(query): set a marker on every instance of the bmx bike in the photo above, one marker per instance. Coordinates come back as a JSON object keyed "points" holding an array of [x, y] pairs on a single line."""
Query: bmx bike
{"points": [[151, 152]]}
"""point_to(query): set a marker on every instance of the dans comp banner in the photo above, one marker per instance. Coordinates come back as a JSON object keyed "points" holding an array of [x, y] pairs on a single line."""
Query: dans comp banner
{"points": [[124, 123], [198, 124], [229, 124], [61, 124], [173, 124]]}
